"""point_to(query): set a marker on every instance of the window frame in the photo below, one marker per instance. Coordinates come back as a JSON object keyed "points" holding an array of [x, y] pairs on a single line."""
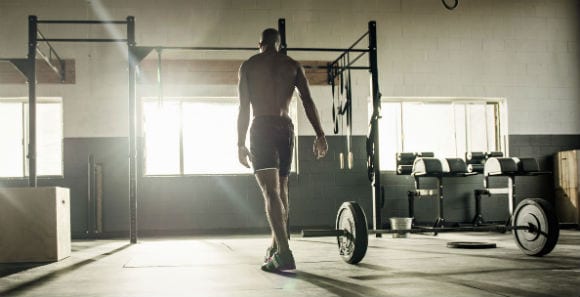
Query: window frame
{"points": [[25, 130], [199, 99], [500, 110]]}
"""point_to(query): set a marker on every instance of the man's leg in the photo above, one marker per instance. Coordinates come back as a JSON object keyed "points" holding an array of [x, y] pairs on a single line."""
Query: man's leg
{"points": [[269, 183], [283, 180]]}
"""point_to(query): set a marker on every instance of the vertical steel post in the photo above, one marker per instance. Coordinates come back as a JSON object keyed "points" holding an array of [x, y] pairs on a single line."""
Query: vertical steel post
{"points": [[91, 197], [376, 183], [512, 194], [132, 129], [31, 76], [282, 31], [441, 213], [478, 219], [283, 47]]}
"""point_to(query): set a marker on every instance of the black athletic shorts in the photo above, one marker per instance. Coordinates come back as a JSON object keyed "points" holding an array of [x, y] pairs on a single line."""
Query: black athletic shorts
{"points": [[272, 143]]}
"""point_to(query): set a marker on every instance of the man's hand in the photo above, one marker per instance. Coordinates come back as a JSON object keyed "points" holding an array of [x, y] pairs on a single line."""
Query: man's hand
{"points": [[244, 156], [320, 147]]}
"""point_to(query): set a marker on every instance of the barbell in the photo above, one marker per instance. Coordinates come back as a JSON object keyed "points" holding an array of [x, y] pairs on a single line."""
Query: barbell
{"points": [[534, 225]]}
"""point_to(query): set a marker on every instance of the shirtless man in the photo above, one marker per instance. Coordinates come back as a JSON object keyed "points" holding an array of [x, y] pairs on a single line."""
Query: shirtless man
{"points": [[266, 83]]}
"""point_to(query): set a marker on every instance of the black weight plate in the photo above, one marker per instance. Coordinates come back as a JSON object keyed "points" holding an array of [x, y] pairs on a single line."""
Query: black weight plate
{"points": [[471, 245], [540, 216], [352, 246]]}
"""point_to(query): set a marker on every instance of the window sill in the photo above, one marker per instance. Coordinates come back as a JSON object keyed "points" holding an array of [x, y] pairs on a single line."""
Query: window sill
{"points": [[251, 174], [25, 178]]}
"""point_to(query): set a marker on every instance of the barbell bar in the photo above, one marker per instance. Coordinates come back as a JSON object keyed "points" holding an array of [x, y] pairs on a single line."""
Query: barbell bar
{"points": [[494, 228]]}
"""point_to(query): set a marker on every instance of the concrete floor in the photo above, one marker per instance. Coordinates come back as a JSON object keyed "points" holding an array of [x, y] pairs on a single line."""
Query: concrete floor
{"points": [[230, 266]]}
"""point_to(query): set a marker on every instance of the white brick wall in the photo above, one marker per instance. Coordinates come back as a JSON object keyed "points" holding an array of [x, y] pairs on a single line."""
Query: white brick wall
{"points": [[524, 50]]}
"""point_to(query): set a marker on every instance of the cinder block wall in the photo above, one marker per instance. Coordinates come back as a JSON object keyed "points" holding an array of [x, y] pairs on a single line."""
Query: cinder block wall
{"points": [[525, 51]]}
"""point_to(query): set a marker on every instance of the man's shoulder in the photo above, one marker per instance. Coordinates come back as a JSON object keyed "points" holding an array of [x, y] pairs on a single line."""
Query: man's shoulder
{"points": [[290, 59], [247, 63], [259, 59], [251, 60], [291, 62]]}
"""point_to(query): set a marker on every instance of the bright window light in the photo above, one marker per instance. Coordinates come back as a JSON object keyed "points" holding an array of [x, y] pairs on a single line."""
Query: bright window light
{"points": [[210, 138], [187, 136], [162, 124], [429, 128], [13, 132], [48, 138], [449, 127], [389, 129]]}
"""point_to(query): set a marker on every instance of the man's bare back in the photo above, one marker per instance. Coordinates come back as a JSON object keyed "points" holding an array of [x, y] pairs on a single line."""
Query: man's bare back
{"points": [[271, 78], [266, 83]]}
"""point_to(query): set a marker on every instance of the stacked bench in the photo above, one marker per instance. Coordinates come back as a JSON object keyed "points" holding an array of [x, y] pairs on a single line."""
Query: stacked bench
{"points": [[491, 164], [432, 168], [506, 168]]}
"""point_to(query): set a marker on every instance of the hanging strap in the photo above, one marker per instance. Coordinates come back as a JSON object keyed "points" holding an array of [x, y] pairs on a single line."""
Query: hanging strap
{"points": [[159, 76], [333, 85], [348, 114]]}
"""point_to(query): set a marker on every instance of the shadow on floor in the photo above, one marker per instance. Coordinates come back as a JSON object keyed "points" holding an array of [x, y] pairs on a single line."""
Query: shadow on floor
{"points": [[455, 279], [335, 286], [57, 273], [12, 268]]}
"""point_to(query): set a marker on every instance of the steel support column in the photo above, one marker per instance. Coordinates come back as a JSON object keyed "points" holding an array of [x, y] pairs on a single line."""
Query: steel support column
{"points": [[31, 78], [376, 183], [132, 128]]}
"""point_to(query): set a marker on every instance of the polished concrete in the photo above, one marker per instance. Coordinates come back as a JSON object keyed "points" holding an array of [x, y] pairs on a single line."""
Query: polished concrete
{"points": [[421, 265]]}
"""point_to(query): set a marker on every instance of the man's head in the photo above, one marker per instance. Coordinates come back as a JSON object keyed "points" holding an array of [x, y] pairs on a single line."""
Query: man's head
{"points": [[270, 39]]}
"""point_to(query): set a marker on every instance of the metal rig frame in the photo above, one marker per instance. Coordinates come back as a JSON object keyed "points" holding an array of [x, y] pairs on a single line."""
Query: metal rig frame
{"points": [[137, 53], [28, 68]]}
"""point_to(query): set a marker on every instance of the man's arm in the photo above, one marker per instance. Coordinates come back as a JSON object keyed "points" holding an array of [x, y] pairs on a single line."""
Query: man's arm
{"points": [[243, 115], [320, 146], [307, 102]]}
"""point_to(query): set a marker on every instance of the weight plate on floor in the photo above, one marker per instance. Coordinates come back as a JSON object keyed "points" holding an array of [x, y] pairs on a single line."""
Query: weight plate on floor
{"points": [[352, 245], [471, 245], [543, 234]]}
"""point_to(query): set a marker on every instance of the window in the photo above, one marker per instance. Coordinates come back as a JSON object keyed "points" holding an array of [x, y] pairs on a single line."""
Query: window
{"points": [[14, 131], [193, 136], [449, 127]]}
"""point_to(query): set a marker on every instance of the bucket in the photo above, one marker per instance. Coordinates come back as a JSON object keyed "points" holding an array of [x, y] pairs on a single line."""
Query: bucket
{"points": [[401, 224]]}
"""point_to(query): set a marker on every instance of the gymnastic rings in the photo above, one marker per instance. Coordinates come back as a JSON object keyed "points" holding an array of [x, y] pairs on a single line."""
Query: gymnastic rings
{"points": [[450, 7]]}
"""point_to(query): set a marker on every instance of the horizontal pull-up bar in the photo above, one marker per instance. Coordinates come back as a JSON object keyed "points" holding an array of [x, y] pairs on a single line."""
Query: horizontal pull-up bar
{"points": [[81, 40], [202, 48], [80, 22], [313, 49], [218, 48]]}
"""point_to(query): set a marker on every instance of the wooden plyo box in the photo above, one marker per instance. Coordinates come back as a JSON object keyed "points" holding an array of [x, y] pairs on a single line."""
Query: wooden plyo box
{"points": [[34, 224], [567, 202]]}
